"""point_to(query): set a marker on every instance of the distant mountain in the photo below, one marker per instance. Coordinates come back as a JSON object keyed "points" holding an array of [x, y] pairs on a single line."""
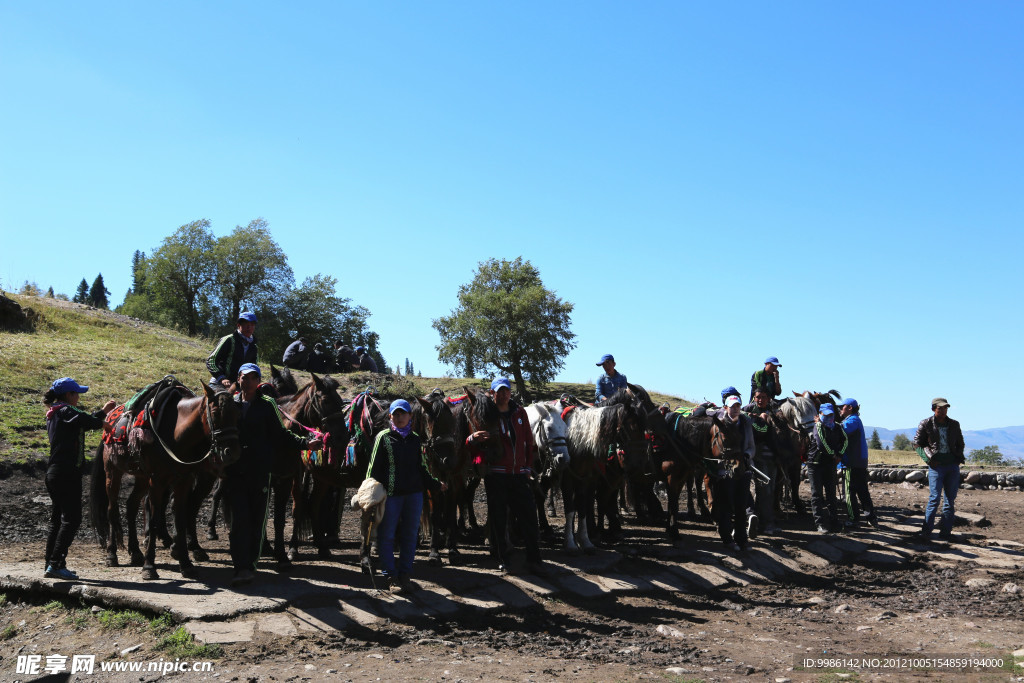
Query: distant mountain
{"points": [[1009, 439]]}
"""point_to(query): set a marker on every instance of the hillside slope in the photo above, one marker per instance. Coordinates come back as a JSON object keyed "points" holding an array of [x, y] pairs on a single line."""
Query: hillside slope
{"points": [[116, 356]]}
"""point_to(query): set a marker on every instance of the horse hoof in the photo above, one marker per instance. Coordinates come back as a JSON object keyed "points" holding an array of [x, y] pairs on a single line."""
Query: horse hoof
{"points": [[434, 560], [138, 560], [283, 565], [149, 574], [211, 535], [323, 553], [292, 555], [112, 561], [166, 542], [200, 555], [190, 573]]}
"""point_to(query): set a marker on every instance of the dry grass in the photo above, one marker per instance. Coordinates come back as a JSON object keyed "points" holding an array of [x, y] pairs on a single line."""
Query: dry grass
{"points": [[893, 458]]}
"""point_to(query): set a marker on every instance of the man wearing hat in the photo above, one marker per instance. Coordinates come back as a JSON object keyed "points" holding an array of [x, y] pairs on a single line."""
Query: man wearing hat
{"points": [[855, 461], [507, 481], [247, 482], [233, 351], [731, 483], [826, 447], [366, 362], [941, 445], [767, 379], [611, 381]]}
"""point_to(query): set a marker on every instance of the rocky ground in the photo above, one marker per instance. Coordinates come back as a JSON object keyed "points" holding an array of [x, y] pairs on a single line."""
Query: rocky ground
{"points": [[640, 609]]}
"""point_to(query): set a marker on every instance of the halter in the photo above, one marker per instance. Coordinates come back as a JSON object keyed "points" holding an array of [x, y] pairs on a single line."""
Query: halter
{"points": [[219, 438], [434, 441]]}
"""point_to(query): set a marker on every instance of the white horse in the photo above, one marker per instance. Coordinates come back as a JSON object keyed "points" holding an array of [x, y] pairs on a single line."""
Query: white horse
{"points": [[549, 434]]}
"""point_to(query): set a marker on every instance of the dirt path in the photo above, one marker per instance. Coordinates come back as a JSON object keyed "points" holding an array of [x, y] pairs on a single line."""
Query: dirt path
{"points": [[746, 625]]}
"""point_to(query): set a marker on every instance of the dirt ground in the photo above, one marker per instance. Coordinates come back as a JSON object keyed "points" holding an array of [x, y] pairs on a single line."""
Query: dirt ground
{"points": [[756, 632]]}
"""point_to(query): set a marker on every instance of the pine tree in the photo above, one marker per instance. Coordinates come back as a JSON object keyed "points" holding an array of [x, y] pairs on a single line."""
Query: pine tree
{"points": [[49, 292], [874, 442], [82, 293], [98, 294]]}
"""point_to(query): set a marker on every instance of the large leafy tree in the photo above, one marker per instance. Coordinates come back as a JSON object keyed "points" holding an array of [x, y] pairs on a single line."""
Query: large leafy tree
{"points": [[508, 322], [253, 270], [901, 442], [181, 273]]}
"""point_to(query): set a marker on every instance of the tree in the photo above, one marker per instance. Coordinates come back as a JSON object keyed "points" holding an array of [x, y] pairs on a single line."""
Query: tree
{"points": [[49, 292], [180, 273], [253, 270], [900, 442], [98, 293], [989, 455], [82, 293], [874, 442], [507, 321], [29, 289]]}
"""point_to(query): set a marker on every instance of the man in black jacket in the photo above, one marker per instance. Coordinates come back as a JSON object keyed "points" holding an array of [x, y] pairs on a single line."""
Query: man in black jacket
{"points": [[826, 446], [247, 482], [941, 444]]}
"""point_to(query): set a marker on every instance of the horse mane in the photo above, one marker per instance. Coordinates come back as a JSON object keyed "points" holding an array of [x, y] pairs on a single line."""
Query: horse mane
{"points": [[485, 410], [585, 430]]}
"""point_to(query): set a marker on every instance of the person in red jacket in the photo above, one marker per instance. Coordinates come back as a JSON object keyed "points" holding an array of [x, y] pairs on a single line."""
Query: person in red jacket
{"points": [[507, 481]]}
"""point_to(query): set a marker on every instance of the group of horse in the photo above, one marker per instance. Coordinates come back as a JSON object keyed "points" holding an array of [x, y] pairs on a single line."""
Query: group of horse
{"points": [[593, 456]]}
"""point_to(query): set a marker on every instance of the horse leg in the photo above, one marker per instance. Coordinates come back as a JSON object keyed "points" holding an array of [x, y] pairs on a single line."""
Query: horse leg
{"points": [[154, 501], [204, 484], [115, 537], [437, 503], [297, 516], [569, 504], [320, 508], [182, 493], [211, 522], [452, 515], [794, 489], [281, 491], [587, 498], [674, 487], [137, 500]]}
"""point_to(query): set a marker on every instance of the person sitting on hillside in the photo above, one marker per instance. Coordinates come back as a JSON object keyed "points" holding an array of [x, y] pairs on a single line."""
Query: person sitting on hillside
{"points": [[767, 379], [345, 359], [366, 361], [296, 355], [856, 463], [233, 351], [319, 361], [611, 381]]}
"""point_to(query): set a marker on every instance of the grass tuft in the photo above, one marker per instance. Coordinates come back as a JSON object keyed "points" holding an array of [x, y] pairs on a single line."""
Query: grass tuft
{"points": [[119, 620], [183, 645]]}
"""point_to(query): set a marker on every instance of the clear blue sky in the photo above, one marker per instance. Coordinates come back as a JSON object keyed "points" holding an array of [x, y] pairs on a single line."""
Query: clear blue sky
{"points": [[710, 184]]}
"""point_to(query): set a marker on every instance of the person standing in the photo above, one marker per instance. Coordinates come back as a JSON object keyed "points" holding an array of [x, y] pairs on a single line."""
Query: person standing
{"points": [[855, 461], [767, 379], [941, 445], [247, 482], [507, 481], [825, 449], [611, 381], [233, 351], [398, 463], [765, 461], [66, 425], [731, 483]]}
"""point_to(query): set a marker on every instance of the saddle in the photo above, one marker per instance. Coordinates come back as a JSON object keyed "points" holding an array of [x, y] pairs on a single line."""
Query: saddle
{"points": [[132, 424]]}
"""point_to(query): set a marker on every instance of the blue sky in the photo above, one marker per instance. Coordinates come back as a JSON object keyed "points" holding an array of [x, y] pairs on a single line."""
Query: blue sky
{"points": [[839, 186]]}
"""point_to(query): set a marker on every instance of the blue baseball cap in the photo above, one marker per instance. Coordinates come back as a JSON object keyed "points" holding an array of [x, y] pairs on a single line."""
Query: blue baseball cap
{"points": [[360, 349], [850, 402], [65, 385], [501, 382], [729, 391], [246, 368], [399, 404], [773, 360], [826, 409], [248, 316], [605, 358]]}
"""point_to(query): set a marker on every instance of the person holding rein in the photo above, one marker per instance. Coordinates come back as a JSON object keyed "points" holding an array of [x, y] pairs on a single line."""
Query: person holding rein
{"points": [[66, 425]]}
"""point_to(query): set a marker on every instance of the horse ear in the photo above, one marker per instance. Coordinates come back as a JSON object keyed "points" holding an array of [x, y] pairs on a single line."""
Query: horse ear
{"points": [[425, 403], [317, 381], [836, 394], [274, 372], [470, 394], [208, 391]]}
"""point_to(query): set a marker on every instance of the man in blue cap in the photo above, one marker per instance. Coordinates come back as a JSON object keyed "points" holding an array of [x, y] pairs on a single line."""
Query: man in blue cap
{"points": [[366, 362], [611, 381], [233, 351], [767, 379], [825, 449], [855, 462]]}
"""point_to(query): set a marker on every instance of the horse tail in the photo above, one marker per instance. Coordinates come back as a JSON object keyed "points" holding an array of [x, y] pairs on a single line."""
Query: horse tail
{"points": [[98, 501]]}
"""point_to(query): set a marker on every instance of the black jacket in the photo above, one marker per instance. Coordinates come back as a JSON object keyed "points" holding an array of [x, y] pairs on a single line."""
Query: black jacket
{"points": [[228, 357], [826, 445], [927, 437], [262, 434], [398, 463], [66, 426]]}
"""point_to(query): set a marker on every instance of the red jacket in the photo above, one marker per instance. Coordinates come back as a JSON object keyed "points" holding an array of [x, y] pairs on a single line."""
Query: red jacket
{"points": [[517, 457]]}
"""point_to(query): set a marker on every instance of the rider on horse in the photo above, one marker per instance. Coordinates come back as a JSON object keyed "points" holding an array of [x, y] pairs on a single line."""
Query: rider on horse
{"points": [[767, 379], [233, 351], [610, 382]]}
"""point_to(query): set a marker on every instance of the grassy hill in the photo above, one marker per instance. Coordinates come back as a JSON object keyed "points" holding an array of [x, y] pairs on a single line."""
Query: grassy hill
{"points": [[116, 356]]}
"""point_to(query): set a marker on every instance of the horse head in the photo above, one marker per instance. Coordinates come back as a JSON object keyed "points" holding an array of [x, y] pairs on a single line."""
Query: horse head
{"points": [[549, 434], [481, 415], [438, 425], [326, 410], [220, 418]]}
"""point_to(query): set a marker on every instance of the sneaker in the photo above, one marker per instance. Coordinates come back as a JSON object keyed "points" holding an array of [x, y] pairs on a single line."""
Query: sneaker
{"points": [[822, 529], [922, 536], [395, 586], [752, 526], [242, 578], [407, 584], [60, 573], [946, 535]]}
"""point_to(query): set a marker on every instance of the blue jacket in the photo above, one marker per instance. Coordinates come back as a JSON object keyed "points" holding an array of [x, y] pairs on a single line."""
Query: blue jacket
{"points": [[857, 452], [607, 386]]}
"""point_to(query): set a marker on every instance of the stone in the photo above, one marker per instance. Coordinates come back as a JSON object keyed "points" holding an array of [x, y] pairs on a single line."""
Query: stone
{"points": [[842, 608], [129, 650], [1012, 589], [886, 615], [670, 632], [973, 519], [973, 477], [222, 631], [676, 670], [978, 582], [865, 628], [915, 475]]}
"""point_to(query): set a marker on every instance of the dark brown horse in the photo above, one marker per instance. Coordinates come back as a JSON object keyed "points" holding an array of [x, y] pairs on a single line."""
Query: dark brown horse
{"points": [[191, 433]]}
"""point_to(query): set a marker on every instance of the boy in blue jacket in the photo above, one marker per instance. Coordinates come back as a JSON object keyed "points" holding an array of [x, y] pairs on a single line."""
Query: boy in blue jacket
{"points": [[855, 460]]}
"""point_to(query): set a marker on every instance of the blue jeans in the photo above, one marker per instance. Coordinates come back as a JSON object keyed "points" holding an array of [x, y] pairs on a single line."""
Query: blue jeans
{"points": [[401, 519], [943, 478]]}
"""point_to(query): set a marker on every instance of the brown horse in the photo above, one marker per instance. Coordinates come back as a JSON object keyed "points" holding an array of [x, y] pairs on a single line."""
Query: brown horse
{"points": [[191, 433]]}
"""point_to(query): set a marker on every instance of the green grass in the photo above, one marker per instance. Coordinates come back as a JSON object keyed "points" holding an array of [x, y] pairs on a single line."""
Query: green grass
{"points": [[116, 359], [182, 645], [161, 624], [52, 605], [79, 618], [8, 633], [122, 619], [3, 600]]}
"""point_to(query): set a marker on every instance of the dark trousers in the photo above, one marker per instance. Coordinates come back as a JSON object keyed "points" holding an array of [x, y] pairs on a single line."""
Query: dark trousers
{"points": [[730, 494], [822, 479], [65, 516], [512, 492], [245, 499], [857, 496]]}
